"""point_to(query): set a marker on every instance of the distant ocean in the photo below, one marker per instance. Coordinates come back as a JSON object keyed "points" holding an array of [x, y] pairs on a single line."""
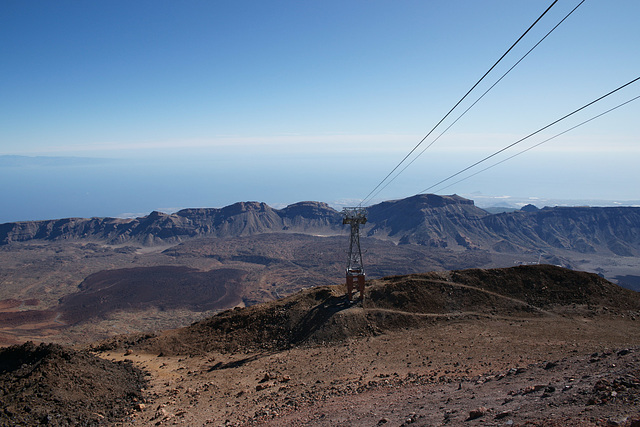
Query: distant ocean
{"points": [[39, 188], [36, 188]]}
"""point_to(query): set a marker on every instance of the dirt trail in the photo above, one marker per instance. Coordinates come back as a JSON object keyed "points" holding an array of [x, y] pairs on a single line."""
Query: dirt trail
{"points": [[460, 314], [485, 291]]}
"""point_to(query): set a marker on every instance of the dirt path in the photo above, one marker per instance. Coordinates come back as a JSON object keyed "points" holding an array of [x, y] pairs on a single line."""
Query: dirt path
{"points": [[485, 291]]}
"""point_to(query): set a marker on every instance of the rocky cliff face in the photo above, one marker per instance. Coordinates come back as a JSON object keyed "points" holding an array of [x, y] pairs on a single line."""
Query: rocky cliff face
{"points": [[581, 229], [456, 223], [427, 219], [436, 221]]}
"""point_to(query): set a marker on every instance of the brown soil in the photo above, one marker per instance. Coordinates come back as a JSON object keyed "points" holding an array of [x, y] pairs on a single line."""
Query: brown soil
{"points": [[526, 372], [426, 349], [536, 345], [602, 388], [51, 385], [7, 304], [16, 318], [272, 265]]}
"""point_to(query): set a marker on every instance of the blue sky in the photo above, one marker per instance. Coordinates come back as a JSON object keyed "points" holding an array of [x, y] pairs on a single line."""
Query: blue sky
{"points": [[204, 103]]}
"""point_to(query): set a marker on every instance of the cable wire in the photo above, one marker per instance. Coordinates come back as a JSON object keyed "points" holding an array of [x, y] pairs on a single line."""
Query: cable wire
{"points": [[531, 134], [458, 103], [539, 144], [471, 106]]}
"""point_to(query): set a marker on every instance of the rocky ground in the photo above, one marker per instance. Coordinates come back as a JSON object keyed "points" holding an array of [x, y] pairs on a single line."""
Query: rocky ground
{"points": [[523, 346], [469, 372], [52, 385], [597, 389], [534, 346]]}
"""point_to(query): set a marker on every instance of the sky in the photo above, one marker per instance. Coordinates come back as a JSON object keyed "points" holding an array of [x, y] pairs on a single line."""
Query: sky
{"points": [[118, 108]]}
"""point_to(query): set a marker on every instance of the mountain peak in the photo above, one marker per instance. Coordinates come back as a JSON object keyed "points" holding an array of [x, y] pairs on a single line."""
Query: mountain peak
{"points": [[431, 201], [309, 209], [241, 207], [426, 219]]}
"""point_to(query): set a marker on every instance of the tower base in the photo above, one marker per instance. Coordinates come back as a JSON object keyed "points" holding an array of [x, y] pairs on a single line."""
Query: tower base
{"points": [[359, 282]]}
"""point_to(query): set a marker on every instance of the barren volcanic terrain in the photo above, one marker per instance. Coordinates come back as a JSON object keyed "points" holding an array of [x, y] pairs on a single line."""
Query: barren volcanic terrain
{"points": [[77, 280], [52, 385], [273, 341], [73, 292], [530, 345]]}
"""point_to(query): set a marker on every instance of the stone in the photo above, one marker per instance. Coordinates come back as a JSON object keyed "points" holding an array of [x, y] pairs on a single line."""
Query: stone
{"points": [[478, 412]]}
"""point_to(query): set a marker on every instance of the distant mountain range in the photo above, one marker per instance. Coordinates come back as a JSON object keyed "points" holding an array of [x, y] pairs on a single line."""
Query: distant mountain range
{"points": [[451, 222], [239, 219]]}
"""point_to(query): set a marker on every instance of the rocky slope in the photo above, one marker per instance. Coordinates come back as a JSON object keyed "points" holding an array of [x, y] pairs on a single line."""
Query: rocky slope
{"points": [[166, 287], [56, 386], [523, 346], [529, 345], [582, 229], [429, 220], [322, 314]]}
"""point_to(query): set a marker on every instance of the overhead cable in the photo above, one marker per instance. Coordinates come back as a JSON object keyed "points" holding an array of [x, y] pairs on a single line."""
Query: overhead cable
{"points": [[458, 103], [472, 105], [539, 144], [531, 134]]}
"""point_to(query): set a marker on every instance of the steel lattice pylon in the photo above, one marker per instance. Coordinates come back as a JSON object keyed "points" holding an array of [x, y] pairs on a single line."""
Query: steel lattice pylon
{"points": [[354, 217]]}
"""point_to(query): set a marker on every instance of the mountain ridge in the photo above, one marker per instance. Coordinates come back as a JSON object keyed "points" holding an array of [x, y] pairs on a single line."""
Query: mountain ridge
{"points": [[238, 219], [450, 222]]}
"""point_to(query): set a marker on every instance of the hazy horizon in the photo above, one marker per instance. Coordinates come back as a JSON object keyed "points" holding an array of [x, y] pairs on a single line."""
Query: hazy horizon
{"points": [[92, 187]]}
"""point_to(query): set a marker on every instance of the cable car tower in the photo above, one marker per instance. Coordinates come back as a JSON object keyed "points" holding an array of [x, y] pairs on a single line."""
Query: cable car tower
{"points": [[355, 269]]}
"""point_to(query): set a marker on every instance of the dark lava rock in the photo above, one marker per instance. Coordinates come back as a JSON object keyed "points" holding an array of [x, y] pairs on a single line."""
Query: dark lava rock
{"points": [[53, 385]]}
